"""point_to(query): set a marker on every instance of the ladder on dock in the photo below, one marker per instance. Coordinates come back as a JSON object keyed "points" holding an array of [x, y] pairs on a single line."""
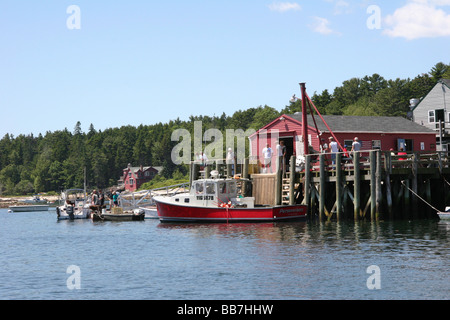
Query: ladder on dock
{"points": [[285, 188]]}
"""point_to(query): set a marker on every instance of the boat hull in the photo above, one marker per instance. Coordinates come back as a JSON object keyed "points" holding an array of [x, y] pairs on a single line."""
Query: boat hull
{"points": [[62, 214], [118, 217], [169, 212], [444, 215], [30, 208]]}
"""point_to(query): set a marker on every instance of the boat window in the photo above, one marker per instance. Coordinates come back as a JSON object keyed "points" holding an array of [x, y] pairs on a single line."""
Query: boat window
{"points": [[199, 187], [232, 187], [210, 189], [222, 187]]}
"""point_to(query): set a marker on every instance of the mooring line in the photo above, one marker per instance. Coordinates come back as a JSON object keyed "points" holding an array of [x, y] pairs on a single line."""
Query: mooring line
{"points": [[419, 196]]}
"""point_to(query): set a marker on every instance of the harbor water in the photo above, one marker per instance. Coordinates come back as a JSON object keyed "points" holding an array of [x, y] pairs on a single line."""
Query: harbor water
{"points": [[42, 258]]}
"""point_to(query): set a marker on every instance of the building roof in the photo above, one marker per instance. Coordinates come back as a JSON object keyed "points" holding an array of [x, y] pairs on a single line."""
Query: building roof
{"points": [[441, 82], [364, 124], [136, 169]]}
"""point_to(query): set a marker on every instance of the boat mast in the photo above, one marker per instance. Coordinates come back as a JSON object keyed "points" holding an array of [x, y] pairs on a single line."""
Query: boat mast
{"points": [[304, 120]]}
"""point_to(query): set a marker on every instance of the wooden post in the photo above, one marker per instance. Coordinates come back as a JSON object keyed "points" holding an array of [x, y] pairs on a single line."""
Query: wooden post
{"points": [[373, 190], [378, 185], [245, 182], [278, 182], [229, 170], [207, 170], [428, 192], [339, 186], [357, 185], [387, 180], [406, 199], [307, 184], [191, 173], [322, 187], [292, 181], [415, 166]]}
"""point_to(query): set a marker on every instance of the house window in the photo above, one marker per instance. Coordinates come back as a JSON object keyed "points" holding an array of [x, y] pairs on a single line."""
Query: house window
{"points": [[131, 182], [431, 116], [147, 173], [376, 144], [348, 144], [436, 116]]}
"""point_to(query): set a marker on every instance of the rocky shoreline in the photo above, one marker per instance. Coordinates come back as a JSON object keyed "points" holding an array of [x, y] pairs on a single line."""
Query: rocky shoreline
{"points": [[6, 202]]}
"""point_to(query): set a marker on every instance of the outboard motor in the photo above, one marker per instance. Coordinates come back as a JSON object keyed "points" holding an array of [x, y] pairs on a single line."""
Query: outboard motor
{"points": [[69, 211]]}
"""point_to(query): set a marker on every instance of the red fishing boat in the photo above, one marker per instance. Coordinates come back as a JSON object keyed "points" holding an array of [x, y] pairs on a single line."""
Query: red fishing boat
{"points": [[216, 200]]}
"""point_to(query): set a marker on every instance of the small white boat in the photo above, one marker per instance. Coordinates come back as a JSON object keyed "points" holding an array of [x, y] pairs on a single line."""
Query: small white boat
{"points": [[75, 205], [445, 214], [28, 208], [151, 212], [36, 200]]}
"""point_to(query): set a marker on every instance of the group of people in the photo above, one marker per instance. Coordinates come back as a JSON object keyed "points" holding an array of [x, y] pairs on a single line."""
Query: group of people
{"points": [[98, 199], [268, 153]]}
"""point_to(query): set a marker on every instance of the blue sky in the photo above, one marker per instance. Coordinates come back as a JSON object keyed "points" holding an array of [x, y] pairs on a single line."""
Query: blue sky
{"points": [[117, 63]]}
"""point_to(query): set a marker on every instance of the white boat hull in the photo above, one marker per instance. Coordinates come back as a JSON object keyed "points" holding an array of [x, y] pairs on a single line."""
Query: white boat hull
{"points": [[29, 208], [84, 213], [444, 215], [150, 212]]}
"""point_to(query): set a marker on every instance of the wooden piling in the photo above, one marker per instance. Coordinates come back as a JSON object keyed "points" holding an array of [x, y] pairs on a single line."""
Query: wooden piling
{"points": [[373, 187], [307, 184], [292, 179], [278, 181], [339, 183], [322, 187], [379, 194], [356, 185]]}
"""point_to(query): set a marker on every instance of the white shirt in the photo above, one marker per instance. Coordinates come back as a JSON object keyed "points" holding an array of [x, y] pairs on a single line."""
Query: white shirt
{"points": [[230, 157], [267, 152], [356, 145], [334, 146]]}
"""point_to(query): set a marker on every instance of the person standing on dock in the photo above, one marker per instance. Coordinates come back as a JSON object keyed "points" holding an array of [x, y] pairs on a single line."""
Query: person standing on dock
{"points": [[356, 145], [333, 149], [281, 153], [267, 155], [230, 159]]}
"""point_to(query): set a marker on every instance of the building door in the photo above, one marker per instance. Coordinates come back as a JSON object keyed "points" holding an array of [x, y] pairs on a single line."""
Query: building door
{"points": [[406, 144], [289, 143]]}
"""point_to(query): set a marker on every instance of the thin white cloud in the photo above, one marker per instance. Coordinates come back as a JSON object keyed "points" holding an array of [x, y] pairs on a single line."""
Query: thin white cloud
{"points": [[419, 19], [284, 6], [321, 25]]}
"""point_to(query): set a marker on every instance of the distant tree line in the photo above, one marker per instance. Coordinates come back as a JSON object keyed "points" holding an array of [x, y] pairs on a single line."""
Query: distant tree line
{"points": [[56, 160]]}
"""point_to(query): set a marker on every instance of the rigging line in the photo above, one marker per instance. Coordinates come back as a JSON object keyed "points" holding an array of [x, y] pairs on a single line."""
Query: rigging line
{"points": [[419, 196], [323, 120]]}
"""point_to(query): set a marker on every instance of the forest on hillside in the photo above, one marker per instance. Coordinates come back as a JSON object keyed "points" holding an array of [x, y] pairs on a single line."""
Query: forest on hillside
{"points": [[56, 160]]}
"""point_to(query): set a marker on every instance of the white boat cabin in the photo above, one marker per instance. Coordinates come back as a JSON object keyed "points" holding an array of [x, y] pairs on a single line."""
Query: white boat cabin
{"points": [[213, 193]]}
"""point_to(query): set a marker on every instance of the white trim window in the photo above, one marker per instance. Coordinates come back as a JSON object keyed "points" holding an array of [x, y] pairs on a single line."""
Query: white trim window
{"points": [[431, 116]]}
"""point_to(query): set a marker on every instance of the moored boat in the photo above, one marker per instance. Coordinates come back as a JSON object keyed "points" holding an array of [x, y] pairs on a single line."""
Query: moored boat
{"points": [[75, 205], [28, 208], [117, 214], [216, 200], [151, 212], [444, 214]]}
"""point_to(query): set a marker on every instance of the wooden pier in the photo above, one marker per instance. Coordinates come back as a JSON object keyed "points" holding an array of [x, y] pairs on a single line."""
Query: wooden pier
{"points": [[371, 185], [376, 185]]}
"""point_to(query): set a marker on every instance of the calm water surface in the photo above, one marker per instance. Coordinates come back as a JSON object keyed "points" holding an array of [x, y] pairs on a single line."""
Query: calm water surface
{"points": [[150, 260]]}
